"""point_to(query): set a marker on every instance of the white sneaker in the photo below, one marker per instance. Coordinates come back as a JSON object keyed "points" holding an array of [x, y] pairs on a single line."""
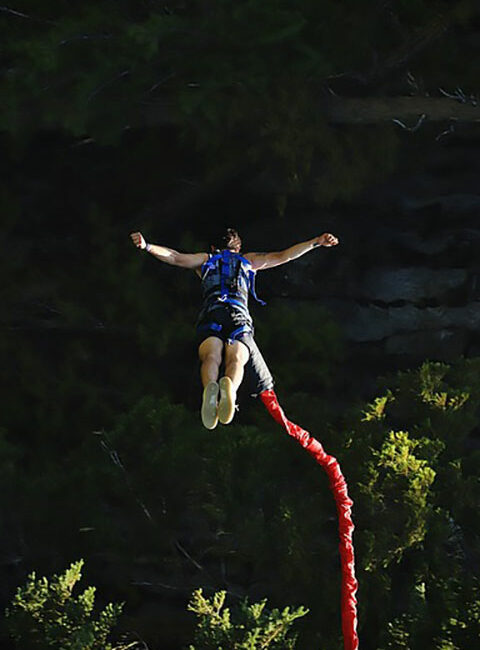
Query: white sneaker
{"points": [[209, 405], [226, 406]]}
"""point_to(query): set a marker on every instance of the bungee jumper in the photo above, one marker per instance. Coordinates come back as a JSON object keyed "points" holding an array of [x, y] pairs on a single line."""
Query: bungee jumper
{"points": [[225, 327], [225, 333]]}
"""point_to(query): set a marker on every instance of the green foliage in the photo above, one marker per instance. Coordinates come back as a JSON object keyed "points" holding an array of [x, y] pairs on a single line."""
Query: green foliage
{"points": [[250, 509], [45, 613], [249, 627], [243, 81], [414, 485], [399, 485], [431, 380], [376, 410], [455, 632]]}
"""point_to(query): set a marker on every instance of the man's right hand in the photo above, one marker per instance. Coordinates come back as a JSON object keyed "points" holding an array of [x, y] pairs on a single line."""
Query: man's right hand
{"points": [[327, 240], [138, 240]]}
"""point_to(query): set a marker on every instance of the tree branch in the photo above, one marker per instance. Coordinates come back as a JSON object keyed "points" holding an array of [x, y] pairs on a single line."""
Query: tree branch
{"points": [[374, 110], [19, 14]]}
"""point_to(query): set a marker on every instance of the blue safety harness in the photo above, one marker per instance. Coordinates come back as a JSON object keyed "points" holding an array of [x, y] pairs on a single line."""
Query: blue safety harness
{"points": [[228, 278]]}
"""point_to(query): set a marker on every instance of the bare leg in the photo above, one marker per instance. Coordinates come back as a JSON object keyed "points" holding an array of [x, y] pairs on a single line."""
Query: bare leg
{"points": [[236, 356], [210, 354]]}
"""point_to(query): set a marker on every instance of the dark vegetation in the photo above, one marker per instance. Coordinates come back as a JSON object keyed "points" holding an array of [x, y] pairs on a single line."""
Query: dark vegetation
{"points": [[172, 119]]}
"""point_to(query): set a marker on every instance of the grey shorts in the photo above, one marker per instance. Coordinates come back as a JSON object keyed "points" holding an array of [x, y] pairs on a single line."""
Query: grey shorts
{"points": [[228, 325]]}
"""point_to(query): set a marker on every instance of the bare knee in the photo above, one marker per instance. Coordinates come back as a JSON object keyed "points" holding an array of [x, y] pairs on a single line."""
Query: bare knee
{"points": [[236, 353], [211, 350], [211, 356], [233, 357]]}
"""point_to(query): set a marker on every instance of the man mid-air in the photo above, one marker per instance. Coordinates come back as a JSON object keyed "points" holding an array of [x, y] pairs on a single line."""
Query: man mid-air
{"points": [[224, 326]]}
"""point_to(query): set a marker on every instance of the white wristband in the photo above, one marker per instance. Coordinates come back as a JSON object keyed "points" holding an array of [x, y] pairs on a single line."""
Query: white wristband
{"points": [[148, 247]]}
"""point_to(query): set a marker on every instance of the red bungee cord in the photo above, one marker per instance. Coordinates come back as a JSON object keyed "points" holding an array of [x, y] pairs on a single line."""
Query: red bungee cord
{"points": [[344, 504]]}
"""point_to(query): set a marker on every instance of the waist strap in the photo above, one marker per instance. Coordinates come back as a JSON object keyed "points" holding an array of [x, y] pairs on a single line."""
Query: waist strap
{"points": [[233, 336]]}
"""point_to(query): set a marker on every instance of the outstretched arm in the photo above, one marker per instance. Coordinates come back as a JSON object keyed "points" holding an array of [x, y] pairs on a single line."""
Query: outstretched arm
{"points": [[261, 261], [169, 255]]}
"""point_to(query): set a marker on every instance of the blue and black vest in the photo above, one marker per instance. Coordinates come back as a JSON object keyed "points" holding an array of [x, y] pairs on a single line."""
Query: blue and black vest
{"points": [[227, 279]]}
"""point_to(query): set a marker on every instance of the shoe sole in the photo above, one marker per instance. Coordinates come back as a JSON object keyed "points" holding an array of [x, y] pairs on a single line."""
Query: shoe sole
{"points": [[226, 406], [209, 405]]}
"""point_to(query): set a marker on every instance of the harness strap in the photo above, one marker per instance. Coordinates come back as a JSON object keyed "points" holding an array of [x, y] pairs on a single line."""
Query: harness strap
{"points": [[231, 301], [251, 286], [211, 326], [234, 336], [238, 332], [224, 276], [209, 264]]}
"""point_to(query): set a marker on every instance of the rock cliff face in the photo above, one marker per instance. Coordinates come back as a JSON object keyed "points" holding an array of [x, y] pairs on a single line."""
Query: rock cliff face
{"points": [[406, 279]]}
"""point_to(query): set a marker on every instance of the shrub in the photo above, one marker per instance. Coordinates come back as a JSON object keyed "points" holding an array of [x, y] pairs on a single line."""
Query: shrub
{"points": [[44, 613], [249, 627]]}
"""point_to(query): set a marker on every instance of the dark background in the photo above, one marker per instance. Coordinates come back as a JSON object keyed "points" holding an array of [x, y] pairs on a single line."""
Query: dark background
{"points": [[276, 118]]}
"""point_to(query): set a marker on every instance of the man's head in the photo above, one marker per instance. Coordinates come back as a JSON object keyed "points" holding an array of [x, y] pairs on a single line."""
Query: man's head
{"points": [[228, 238]]}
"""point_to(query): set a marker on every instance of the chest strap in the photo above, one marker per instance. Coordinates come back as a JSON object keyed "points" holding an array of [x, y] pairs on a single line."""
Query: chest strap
{"points": [[221, 260]]}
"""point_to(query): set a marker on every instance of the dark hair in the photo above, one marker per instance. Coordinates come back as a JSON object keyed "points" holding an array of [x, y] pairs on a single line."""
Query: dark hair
{"points": [[230, 239]]}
